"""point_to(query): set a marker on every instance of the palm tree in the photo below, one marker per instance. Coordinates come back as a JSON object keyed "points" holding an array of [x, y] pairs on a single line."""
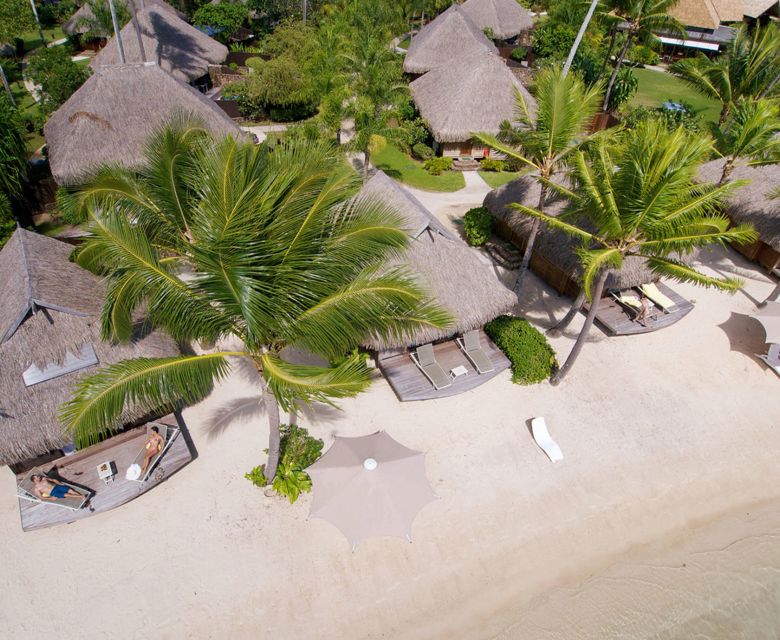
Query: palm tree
{"points": [[100, 23], [748, 69], [643, 18], [221, 239], [565, 109], [750, 132], [640, 198]]}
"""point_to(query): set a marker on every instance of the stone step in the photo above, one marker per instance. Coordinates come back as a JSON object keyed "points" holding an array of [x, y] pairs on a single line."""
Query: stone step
{"points": [[505, 254]]}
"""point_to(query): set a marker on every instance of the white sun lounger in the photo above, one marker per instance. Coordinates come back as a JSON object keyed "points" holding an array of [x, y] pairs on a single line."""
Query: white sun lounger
{"points": [[544, 440], [653, 293], [474, 352], [168, 434], [26, 491], [425, 360], [772, 358]]}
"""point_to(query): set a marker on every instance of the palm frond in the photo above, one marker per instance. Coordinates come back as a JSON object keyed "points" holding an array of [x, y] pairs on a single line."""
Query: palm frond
{"points": [[594, 261], [680, 272], [553, 222]]}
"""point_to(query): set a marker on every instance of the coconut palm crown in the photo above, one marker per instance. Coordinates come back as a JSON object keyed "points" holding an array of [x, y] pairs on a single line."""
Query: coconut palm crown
{"points": [[218, 239]]}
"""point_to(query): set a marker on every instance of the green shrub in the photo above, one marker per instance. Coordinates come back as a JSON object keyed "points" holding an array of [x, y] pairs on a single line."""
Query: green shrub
{"points": [[643, 55], [518, 54], [57, 75], [477, 225], [625, 86], [435, 166], [422, 151], [553, 39], [490, 164], [532, 357], [257, 476], [687, 117]]}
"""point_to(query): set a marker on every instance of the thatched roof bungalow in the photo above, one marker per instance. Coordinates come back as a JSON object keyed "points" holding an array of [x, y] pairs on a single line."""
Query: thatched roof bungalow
{"points": [[72, 27], [475, 93], [457, 276], [752, 204], [450, 33], [110, 117], [176, 46], [505, 18], [49, 339]]}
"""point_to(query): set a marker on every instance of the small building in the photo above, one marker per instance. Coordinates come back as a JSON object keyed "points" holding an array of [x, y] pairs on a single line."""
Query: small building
{"points": [[706, 29], [450, 34], [506, 19], [72, 26], [473, 94], [179, 48], [111, 116]]}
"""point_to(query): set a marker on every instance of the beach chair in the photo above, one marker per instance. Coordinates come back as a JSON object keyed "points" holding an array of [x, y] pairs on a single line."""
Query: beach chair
{"points": [[168, 434], [630, 303], [772, 358], [25, 491], [425, 360], [544, 440], [663, 302], [473, 350]]}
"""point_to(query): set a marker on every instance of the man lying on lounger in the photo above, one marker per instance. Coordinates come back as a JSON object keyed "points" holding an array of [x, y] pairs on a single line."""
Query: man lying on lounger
{"points": [[47, 488], [154, 444]]}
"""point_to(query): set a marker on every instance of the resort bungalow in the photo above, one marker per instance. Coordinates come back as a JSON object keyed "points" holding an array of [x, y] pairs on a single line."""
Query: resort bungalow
{"points": [[74, 26], [705, 28], [49, 339], [505, 19], [461, 280], [451, 33], [554, 260], [753, 204], [110, 117], [179, 48], [475, 93]]}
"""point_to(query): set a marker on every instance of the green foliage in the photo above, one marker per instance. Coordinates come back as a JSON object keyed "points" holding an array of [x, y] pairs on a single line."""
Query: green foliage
{"points": [[625, 86], [414, 132], [518, 54], [477, 226], [100, 24], [552, 39], [491, 164], [435, 166], [686, 117], [642, 54], [532, 357], [13, 160], [422, 151], [488, 31], [58, 76], [291, 482], [16, 18], [225, 18], [257, 476], [54, 13], [7, 221]]}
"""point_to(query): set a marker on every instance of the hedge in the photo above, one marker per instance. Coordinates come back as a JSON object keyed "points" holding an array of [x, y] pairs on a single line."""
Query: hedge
{"points": [[532, 357]]}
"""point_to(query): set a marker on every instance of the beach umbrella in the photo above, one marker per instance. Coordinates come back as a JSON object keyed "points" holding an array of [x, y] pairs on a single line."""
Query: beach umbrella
{"points": [[769, 317], [370, 486]]}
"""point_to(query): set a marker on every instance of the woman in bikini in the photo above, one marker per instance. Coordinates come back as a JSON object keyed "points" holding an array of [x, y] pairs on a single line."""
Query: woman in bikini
{"points": [[154, 445]]}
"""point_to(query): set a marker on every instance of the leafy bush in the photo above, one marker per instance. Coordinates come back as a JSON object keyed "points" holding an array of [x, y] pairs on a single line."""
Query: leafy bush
{"points": [[625, 86], [643, 55], [435, 166], [414, 132], [490, 164], [477, 225], [532, 357], [225, 18], [553, 39], [422, 151], [57, 75], [687, 117], [518, 54], [488, 31]]}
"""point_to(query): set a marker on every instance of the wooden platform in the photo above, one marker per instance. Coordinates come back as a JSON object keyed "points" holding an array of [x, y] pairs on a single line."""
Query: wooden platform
{"points": [[409, 383], [81, 469], [615, 320]]}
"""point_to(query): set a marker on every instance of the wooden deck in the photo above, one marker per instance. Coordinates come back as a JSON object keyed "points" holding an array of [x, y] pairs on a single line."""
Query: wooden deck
{"points": [[80, 469], [409, 383], [615, 320]]}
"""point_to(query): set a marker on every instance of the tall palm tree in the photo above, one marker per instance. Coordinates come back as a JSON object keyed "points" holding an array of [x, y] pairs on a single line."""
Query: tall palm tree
{"points": [[748, 69], [640, 198], [564, 112], [221, 239], [100, 24], [643, 18]]}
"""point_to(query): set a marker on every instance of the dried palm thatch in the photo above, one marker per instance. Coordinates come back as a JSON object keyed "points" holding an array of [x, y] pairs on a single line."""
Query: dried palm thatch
{"points": [[53, 306], [110, 117], [176, 46], [752, 203], [475, 93], [505, 18], [734, 10], [456, 276], [696, 13], [555, 246], [74, 25], [450, 34], [756, 8]]}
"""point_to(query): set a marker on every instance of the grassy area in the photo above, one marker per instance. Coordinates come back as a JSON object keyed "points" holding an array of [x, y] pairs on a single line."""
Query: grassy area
{"points": [[497, 178], [404, 44], [400, 166], [32, 39], [656, 87]]}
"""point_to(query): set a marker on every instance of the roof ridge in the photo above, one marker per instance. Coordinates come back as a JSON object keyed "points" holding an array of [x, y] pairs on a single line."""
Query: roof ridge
{"points": [[26, 264]]}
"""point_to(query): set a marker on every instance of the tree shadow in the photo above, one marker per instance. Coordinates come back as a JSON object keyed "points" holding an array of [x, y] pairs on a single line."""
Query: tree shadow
{"points": [[235, 410]]}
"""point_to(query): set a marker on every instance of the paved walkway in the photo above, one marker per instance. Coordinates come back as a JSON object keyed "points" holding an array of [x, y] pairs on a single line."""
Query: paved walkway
{"points": [[262, 130]]}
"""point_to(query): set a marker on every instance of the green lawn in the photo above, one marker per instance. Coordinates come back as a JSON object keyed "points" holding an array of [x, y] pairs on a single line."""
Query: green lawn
{"points": [[656, 87], [32, 40], [400, 166], [404, 44], [497, 178]]}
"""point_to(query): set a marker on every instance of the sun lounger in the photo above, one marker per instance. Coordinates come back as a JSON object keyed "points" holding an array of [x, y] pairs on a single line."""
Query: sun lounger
{"points": [[168, 434], [473, 350], [425, 360], [544, 440], [665, 303], [772, 357], [25, 489]]}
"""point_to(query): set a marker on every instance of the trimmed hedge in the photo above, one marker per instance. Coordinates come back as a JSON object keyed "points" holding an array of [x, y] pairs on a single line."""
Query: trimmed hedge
{"points": [[422, 151], [477, 226], [490, 164], [435, 166], [532, 357]]}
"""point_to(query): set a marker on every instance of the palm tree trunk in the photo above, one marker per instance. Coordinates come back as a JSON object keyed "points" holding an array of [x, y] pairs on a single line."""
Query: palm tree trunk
{"points": [[724, 113], [728, 167], [616, 70], [608, 57], [38, 22], [529, 247], [274, 438], [115, 22], [6, 85], [558, 329], [575, 352], [366, 160], [580, 34]]}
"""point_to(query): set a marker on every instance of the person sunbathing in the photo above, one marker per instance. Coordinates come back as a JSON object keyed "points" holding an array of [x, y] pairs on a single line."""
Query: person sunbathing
{"points": [[154, 444], [47, 488], [644, 310]]}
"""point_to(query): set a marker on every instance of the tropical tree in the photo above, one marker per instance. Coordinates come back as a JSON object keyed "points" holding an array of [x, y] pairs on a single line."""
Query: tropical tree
{"points": [[564, 112], [222, 239], [748, 69], [98, 23], [15, 18], [13, 161], [643, 18], [640, 198]]}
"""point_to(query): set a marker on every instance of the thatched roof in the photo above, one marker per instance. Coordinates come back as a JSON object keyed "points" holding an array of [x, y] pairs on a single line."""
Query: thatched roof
{"points": [[696, 13], [71, 25], [506, 18], [756, 8], [58, 304], [176, 46], [110, 117], [473, 94], [450, 34], [554, 245], [458, 277], [751, 203], [734, 10]]}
